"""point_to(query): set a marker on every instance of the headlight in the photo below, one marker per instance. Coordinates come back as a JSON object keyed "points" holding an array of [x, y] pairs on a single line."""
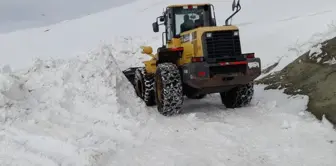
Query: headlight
{"points": [[235, 33], [209, 35]]}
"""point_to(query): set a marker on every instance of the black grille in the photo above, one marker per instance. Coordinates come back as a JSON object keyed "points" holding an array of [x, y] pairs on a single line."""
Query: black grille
{"points": [[227, 69], [221, 44]]}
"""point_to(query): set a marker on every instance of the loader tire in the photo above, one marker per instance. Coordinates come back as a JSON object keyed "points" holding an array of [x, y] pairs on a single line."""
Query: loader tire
{"points": [[168, 89], [144, 86], [138, 82], [238, 97]]}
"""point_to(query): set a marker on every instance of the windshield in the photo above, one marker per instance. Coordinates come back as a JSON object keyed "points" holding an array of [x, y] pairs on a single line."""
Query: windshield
{"points": [[188, 18]]}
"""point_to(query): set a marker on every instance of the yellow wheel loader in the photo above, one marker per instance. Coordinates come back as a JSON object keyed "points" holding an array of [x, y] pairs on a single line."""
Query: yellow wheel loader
{"points": [[197, 58]]}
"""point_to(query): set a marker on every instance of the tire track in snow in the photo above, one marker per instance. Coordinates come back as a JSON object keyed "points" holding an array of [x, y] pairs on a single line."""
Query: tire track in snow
{"points": [[253, 135]]}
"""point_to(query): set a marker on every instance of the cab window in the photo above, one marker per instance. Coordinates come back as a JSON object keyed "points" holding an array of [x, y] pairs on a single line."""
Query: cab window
{"points": [[187, 18]]}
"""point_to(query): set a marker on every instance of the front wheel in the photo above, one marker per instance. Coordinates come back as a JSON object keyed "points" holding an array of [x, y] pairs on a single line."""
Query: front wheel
{"points": [[168, 89], [144, 86]]}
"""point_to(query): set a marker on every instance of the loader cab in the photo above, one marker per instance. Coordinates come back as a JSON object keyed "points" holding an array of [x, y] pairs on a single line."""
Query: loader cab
{"points": [[180, 18], [188, 17]]}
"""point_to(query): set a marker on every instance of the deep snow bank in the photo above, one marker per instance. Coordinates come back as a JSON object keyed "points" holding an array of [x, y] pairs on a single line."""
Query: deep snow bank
{"points": [[66, 112]]}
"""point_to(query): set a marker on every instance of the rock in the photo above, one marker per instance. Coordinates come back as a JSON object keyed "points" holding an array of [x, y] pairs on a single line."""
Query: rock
{"points": [[312, 74]]}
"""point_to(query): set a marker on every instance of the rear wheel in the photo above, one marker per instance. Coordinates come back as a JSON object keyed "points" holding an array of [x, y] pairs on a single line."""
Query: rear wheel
{"points": [[144, 86], [168, 89], [239, 96]]}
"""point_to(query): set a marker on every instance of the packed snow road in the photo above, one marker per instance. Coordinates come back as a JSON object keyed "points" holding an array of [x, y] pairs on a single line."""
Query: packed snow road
{"points": [[84, 112]]}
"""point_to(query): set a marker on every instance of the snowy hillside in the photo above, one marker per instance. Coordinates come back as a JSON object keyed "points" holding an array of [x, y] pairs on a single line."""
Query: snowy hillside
{"points": [[72, 106], [18, 14]]}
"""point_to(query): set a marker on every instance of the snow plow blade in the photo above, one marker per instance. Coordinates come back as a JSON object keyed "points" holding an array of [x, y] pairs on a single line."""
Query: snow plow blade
{"points": [[130, 73]]}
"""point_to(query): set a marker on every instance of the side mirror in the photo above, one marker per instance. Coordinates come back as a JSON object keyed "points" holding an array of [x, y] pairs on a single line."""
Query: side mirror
{"points": [[155, 26], [234, 5], [147, 49]]}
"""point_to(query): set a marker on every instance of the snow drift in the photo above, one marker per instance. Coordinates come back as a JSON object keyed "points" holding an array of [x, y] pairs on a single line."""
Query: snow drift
{"points": [[65, 112]]}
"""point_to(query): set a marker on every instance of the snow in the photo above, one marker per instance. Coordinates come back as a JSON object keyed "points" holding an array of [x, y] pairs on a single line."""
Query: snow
{"points": [[316, 50], [331, 61], [316, 53], [72, 106], [18, 14], [69, 114]]}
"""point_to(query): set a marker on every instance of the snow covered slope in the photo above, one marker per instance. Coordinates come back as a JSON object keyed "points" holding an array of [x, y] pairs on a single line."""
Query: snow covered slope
{"points": [[74, 107], [18, 14]]}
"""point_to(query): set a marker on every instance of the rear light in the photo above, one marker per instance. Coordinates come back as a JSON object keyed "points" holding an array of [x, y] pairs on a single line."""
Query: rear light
{"points": [[201, 73], [190, 7], [239, 63], [250, 55], [176, 49], [197, 59], [224, 63]]}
